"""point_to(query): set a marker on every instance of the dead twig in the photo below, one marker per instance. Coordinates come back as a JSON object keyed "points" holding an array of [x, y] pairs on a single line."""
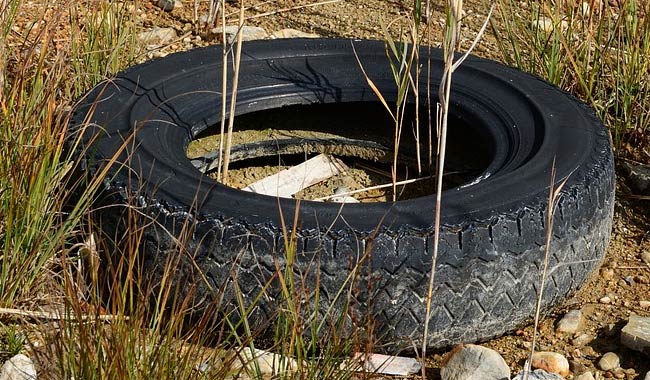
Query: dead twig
{"points": [[56, 316]]}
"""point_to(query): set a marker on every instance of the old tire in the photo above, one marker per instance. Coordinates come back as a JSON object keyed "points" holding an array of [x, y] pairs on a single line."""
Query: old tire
{"points": [[493, 234]]}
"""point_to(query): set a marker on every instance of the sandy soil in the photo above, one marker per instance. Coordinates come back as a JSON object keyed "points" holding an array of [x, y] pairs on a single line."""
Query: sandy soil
{"points": [[625, 278]]}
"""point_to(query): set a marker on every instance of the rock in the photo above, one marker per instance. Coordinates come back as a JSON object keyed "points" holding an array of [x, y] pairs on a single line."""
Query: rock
{"points": [[647, 376], [249, 33], [570, 323], [609, 361], [636, 334], [538, 374], [551, 362], [641, 279], [19, 367], [547, 25], [472, 362], [576, 367], [582, 340], [157, 36], [265, 363], [292, 33], [585, 376], [605, 300], [645, 257], [644, 303], [638, 177], [607, 274], [169, 5]]}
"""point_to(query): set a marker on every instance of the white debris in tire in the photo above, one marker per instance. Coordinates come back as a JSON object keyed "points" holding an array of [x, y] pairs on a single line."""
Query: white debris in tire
{"points": [[342, 196]]}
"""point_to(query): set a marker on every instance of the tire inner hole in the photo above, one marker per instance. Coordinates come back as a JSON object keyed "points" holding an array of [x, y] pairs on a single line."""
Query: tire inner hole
{"points": [[360, 134]]}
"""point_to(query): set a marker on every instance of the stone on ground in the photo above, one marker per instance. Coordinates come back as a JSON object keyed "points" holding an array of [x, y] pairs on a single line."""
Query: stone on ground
{"points": [[292, 33], [570, 323], [472, 362], [638, 177], [636, 334], [551, 362], [19, 367], [538, 374], [169, 5], [609, 361], [585, 376], [157, 36], [249, 33]]}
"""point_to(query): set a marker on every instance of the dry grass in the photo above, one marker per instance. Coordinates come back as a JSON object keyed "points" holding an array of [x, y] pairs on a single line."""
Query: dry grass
{"points": [[52, 253]]}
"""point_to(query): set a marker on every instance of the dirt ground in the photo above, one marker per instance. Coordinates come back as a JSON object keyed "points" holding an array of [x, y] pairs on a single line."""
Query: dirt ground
{"points": [[624, 278], [621, 288]]}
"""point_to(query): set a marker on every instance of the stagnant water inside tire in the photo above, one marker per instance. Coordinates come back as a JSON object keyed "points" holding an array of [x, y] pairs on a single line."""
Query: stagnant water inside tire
{"points": [[469, 149]]}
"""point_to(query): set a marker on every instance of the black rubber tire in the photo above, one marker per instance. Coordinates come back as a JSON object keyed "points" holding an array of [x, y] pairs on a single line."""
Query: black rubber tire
{"points": [[493, 233]]}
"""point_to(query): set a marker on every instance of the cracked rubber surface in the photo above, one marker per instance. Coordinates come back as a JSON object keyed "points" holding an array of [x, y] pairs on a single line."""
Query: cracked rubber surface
{"points": [[492, 238]]}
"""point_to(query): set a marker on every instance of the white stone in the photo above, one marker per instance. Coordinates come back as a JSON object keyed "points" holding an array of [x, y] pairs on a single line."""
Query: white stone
{"points": [[609, 361], [264, 363], [647, 376], [571, 322], [292, 33], [249, 33], [19, 367], [157, 36], [547, 25], [636, 334], [585, 376], [538, 374], [472, 362]]}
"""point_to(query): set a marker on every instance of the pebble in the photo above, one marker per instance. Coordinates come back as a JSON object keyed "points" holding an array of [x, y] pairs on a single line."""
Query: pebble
{"points": [[169, 5], [641, 279], [538, 374], [636, 334], [157, 36], [547, 25], [342, 197], [576, 367], [249, 33], [605, 300], [19, 367], [582, 340], [570, 323], [585, 376], [609, 361], [292, 33], [551, 362], [645, 257], [472, 362], [638, 177], [644, 303], [266, 363], [607, 274], [647, 376]]}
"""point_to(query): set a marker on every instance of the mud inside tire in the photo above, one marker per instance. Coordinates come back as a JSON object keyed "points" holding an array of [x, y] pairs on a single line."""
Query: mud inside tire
{"points": [[493, 228]]}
